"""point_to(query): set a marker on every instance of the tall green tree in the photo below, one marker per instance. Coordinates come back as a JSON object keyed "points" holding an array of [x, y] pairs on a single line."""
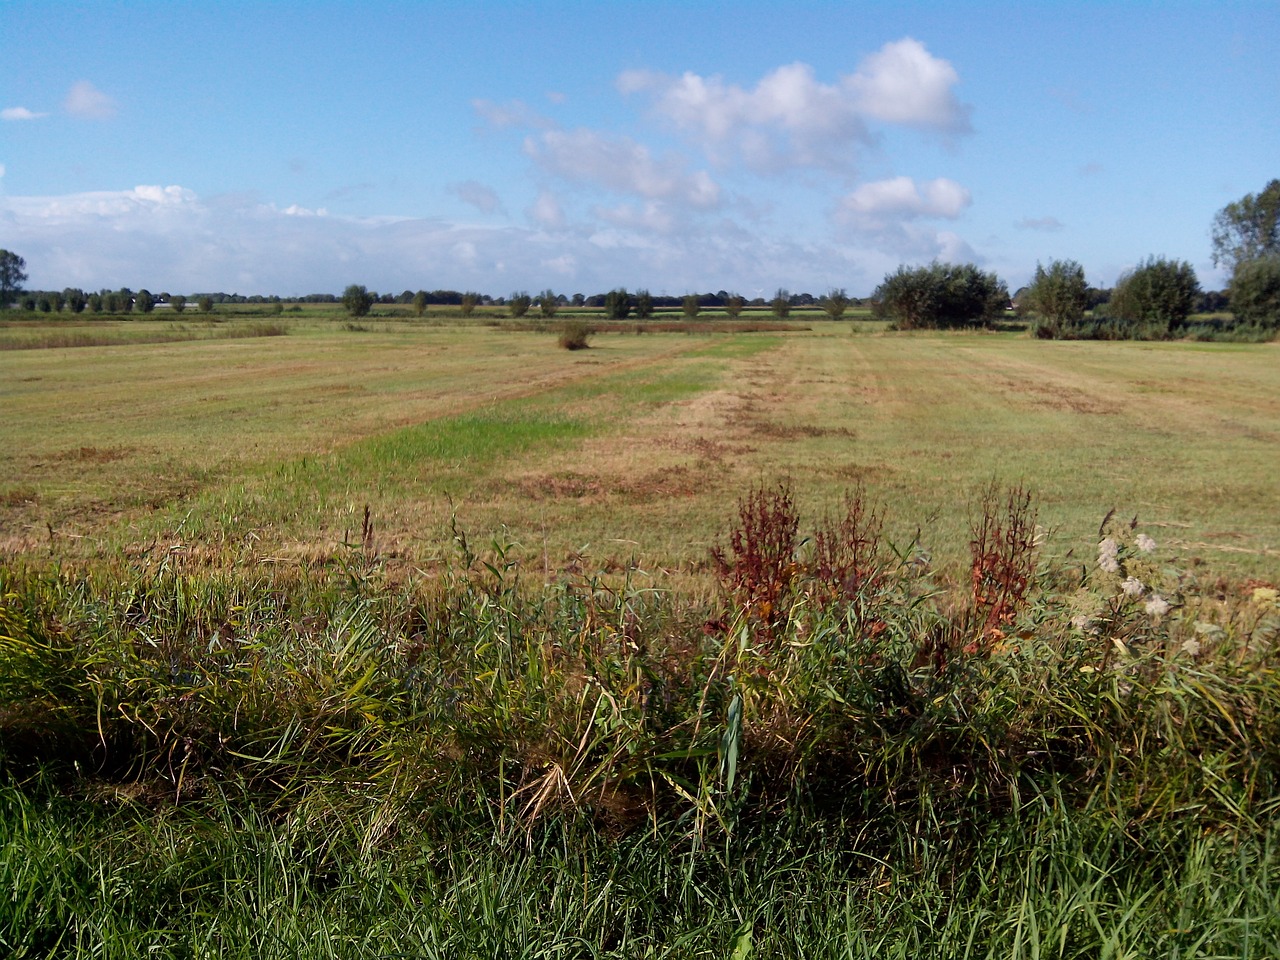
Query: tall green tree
{"points": [[781, 304], [940, 295], [1255, 291], [205, 304], [358, 300], [548, 303], [689, 305], [144, 302], [13, 274], [644, 304], [617, 304], [1248, 229], [1158, 291], [419, 303], [733, 305], [1058, 294], [178, 302]]}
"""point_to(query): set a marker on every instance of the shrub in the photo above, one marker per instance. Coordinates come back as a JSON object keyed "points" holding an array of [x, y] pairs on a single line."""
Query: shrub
{"points": [[469, 301], [1255, 291], [644, 305], [1058, 295], [519, 304], [357, 300], [548, 303], [940, 295], [781, 304], [690, 306], [1157, 292], [617, 304], [575, 335], [733, 305], [835, 303]]}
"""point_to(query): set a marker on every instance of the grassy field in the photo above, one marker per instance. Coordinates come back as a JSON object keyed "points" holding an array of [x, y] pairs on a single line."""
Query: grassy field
{"points": [[632, 450], [342, 640]]}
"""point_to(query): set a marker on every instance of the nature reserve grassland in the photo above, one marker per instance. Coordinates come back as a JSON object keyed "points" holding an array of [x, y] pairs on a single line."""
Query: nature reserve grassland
{"points": [[633, 450]]}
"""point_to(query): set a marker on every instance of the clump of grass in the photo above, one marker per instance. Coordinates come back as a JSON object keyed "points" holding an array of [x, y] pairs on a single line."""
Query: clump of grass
{"points": [[575, 335]]}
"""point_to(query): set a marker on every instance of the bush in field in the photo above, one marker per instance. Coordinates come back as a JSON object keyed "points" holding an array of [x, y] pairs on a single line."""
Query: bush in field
{"points": [[419, 303], [644, 304], [575, 335], [940, 295], [781, 304], [178, 303], [835, 303], [1255, 291], [205, 304], [548, 303], [519, 304], [357, 300], [1058, 295], [144, 302], [733, 305], [1159, 293], [469, 301], [617, 304], [689, 306]]}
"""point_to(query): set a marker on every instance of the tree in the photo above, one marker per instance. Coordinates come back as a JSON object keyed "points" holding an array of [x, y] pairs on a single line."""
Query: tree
{"points": [[1248, 229], [94, 303], [1059, 294], [617, 304], [644, 304], [733, 305], [419, 303], [690, 306], [468, 302], [548, 303], [1158, 291], [205, 304], [1255, 291], [835, 303], [519, 304], [13, 274], [781, 304], [358, 300], [940, 295], [144, 302], [178, 302]]}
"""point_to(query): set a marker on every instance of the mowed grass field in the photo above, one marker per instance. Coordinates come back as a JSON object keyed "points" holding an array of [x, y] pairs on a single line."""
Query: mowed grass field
{"points": [[631, 453]]}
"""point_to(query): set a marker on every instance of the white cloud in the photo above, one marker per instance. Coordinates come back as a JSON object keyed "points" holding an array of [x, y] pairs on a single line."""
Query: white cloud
{"points": [[621, 165], [513, 113], [547, 212], [650, 216], [477, 195], [790, 118], [903, 83], [88, 102], [882, 202], [1047, 224], [20, 113]]}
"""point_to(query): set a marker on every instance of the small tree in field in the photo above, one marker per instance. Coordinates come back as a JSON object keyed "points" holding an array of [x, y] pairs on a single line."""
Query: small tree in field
{"points": [[13, 273], [644, 304], [835, 303], [781, 304], [733, 305], [548, 303], [690, 306], [205, 304], [617, 304], [1158, 292], [357, 300], [178, 302], [419, 303], [469, 301], [1059, 295], [1255, 291], [940, 295], [519, 304], [144, 302]]}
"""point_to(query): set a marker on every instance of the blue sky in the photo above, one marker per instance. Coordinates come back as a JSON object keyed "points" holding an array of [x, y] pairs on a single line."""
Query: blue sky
{"points": [[292, 148]]}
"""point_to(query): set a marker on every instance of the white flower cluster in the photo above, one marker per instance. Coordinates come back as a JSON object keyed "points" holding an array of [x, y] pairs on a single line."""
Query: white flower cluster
{"points": [[1109, 555]]}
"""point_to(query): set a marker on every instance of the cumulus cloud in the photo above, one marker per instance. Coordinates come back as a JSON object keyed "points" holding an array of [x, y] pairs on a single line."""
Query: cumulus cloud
{"points": [[876, 204], [86, 101], [650, 217], [790, 118], [1046, 224], [477, 195], [621, 165], [903, 83], [20, 113]]}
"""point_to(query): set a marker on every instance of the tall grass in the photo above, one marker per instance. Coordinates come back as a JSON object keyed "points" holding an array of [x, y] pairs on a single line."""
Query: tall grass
{"points": [[1055, 763]]}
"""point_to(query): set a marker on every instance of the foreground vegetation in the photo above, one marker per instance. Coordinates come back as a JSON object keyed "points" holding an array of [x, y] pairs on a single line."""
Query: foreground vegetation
{"points": [[835, 758]]}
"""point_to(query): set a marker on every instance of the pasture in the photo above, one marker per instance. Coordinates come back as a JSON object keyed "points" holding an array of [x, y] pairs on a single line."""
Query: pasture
{"points": [[630, 453], [405, 639]]}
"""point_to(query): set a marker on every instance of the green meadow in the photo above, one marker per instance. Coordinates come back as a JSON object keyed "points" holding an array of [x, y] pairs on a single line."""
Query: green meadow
{"points": [[428, 638]]}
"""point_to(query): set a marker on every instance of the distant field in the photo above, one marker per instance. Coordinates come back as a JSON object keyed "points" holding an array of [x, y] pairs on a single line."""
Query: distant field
{"points": [[271, 446]]}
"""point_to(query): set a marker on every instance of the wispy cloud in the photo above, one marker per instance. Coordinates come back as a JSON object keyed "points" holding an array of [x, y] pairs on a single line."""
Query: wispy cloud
{"points": [[20, 113], [621, 165], [477, 195], [1044, 224], [86, 101]]}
